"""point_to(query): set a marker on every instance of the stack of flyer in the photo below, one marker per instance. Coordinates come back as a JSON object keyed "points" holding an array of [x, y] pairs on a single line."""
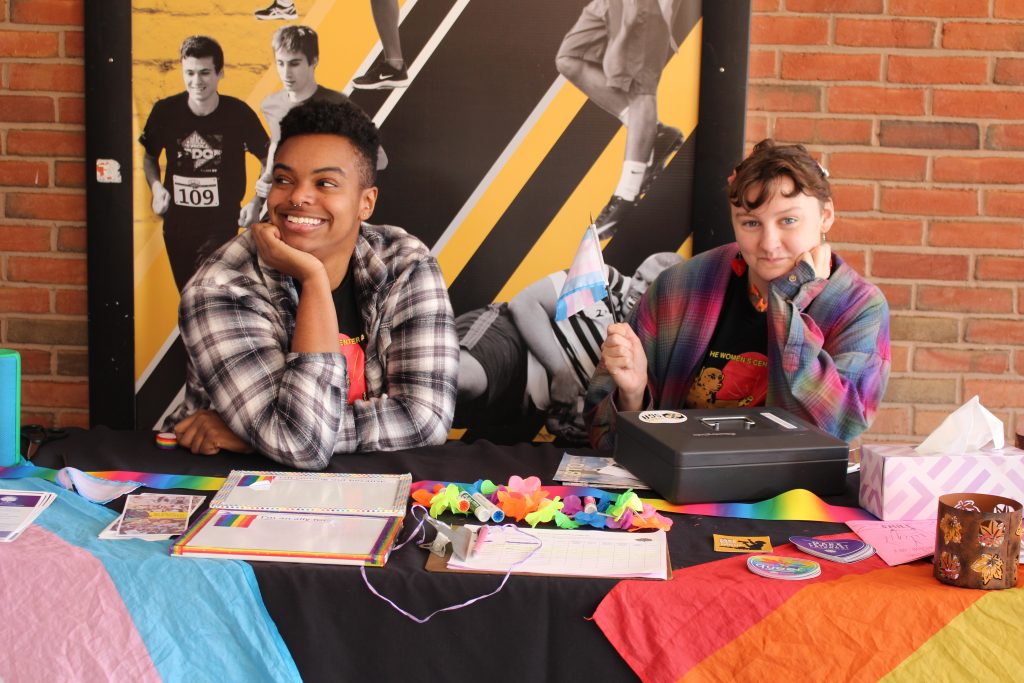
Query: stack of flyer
{"points": [[319, 517], [18, 509], [153, 517]]}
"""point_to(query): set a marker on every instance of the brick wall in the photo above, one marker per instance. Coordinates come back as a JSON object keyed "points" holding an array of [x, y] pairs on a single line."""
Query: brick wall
{"points": [[914, 105], [42, 205]]}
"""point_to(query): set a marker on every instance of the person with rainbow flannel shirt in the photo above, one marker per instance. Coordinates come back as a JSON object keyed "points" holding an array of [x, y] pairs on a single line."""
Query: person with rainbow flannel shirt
{"points": [[775, 318]]}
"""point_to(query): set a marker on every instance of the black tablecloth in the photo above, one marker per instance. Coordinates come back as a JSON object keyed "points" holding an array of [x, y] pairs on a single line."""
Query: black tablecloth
{"points": [[536, 629]]}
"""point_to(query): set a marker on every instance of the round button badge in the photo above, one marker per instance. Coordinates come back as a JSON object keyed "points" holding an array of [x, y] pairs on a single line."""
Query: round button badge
{"points": [[662, 417]]}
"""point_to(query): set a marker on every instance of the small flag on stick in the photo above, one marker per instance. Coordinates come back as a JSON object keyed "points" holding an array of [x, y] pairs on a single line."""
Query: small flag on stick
{"points": [[586, 283]]}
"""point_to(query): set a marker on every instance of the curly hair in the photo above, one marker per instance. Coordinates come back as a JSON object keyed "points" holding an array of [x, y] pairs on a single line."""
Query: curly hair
{"points": [[766, 164], [333, 118], [203, 46]]}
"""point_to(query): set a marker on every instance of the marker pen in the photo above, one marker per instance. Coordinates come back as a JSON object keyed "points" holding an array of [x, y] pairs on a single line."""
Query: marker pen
{"points": [[589, 505], [497, 514], [482, 513]]}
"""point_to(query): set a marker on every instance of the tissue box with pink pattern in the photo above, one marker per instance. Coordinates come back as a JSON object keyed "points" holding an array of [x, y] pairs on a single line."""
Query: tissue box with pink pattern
{"points": [[897, 483]]}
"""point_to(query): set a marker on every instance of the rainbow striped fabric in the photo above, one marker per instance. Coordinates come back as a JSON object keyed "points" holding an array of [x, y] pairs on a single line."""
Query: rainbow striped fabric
{"points": [[859, 622]]}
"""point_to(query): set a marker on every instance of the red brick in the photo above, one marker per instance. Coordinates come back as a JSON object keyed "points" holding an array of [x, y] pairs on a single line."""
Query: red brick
{"points": [[34, 362], [24, 238], [916, 266], [835, 6], [856, 260], [880, 166], [59, 77], [59, 207], [72, 302], [66, 271], [874, 100], [56, 12], [891, 420], [71, 110], [823, 131], [980, 234], [920, 390], [961, 360], [24, 173], [761, 64], [939, 8], [71, 238], [74, 44], [979, 169], [907, 69], [920, 328], [1008, 9], [28, 44], [824, 66], [965, 299], [39, 393], [1001, 393], [787, 30], [925, 135], [24, 299], [979, 35], [765, 5], [876, 230], [1005, 136], [777, 98], [1009, 71], [999, 332], [978, 104], [48, 331], [72, 364], [1003, 203], [853, 197], [1007, 268], [26, 109], [46, 143], [70, 174], [1019, 362], [72, 418], [898, 296], [900, 360], [884, 33], [756, 129], [939, 202]]}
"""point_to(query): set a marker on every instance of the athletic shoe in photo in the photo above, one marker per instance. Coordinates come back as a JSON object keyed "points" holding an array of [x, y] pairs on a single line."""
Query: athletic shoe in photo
{"points": [[276, 11], [382, 76], [611, 215], [666, 143]]}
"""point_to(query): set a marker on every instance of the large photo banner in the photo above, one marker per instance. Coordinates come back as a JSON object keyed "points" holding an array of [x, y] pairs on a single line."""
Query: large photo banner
{"points": [[507, 129]]}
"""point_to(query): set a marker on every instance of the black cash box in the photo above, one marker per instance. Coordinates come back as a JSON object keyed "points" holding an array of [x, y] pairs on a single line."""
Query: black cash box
{"points": [[729, 454]]}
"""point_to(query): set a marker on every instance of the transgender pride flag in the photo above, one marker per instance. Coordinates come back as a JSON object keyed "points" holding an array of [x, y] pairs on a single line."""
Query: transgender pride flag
{"points": [[585, 284]]}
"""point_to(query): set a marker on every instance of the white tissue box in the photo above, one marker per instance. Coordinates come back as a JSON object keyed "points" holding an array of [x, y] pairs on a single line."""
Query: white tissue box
{"points": [[898, 483]]}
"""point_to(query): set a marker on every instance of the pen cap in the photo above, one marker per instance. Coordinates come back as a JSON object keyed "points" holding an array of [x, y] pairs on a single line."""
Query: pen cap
{"points": [[10, 406]]}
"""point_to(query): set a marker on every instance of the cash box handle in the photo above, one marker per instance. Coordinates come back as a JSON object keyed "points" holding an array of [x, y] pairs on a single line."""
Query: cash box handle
{"points": [[715, 423]]}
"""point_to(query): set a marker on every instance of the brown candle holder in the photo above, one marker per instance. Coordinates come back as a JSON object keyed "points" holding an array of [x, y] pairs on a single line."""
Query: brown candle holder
{"points": [[977, 541]]}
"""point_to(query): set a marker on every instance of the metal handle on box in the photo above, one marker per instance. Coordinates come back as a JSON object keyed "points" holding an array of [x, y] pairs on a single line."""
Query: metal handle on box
{"points": [[715, 423]]}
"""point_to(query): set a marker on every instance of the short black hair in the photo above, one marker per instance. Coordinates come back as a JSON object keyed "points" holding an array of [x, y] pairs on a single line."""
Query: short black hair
{"points": [[337, 118], [203, 46]]}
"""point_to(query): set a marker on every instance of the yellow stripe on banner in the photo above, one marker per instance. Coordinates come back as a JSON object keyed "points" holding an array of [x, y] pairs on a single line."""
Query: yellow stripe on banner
{"points": [[678, 101], [976, 645], [509, 181]]}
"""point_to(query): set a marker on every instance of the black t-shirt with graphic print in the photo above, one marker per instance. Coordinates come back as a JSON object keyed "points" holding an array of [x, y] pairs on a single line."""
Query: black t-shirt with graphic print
{"points": [[734, 371]]}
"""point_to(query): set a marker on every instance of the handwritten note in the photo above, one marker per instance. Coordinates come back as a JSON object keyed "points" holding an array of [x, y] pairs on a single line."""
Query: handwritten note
{"points": [[898, 542]]}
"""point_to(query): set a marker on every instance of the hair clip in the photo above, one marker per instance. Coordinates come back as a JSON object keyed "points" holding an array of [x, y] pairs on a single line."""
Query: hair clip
{"points": [[824, 171]]}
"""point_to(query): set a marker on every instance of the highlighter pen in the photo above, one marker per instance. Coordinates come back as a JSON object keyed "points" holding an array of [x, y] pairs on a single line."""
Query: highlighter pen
{"points": [[482, 513], [481, 535], [497, 514]]}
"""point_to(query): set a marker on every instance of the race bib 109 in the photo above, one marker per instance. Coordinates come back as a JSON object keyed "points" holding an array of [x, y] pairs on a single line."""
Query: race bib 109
{"points": [[196, 192]]}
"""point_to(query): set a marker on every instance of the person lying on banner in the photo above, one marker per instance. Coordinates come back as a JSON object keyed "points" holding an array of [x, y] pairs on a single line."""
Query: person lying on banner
{"points": [[775, 318], [318, 333]]}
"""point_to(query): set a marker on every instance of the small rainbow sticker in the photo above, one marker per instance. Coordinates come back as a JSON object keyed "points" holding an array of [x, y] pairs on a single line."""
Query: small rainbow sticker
{"points": [[233, 520]]}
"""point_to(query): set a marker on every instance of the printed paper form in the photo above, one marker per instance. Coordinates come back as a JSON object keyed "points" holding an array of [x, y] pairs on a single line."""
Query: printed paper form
{"points": [[565, 552]]}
